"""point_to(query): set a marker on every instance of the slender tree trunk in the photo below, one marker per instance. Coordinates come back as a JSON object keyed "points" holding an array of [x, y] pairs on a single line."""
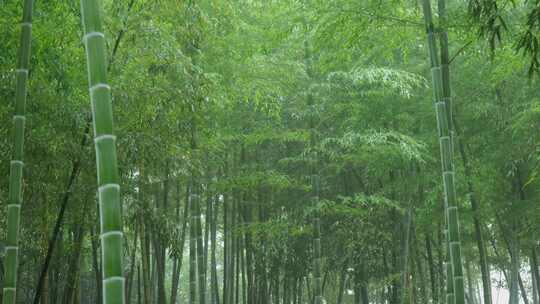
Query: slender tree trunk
{"points": [[477, 290], [192, 248], [472, 297], [44, 299], [213, 260], [237, 256], [130, 274], [174, 281], [200, 250], [45, 293], [413, 279], [2, 279], [357, 293], [342, 279], [405, 254], [431, 264], [154, 274], [512, 245], [514, 270], [55, 290], [286, 289], [74, 263], [386, 294], [247, 255], [275, 285], [363, 285], [77, 291], [309, 288], [226, 247], [534, 286], [294, 291], [139, 291], [396, 282], [508, 277], [421, 278], [301, 291], [179, 259], [522, 289], [261, 259], [232, 251], [317, 280], [145, 245], [243, 273], [161, 204], [160, 245], [207, 222]]}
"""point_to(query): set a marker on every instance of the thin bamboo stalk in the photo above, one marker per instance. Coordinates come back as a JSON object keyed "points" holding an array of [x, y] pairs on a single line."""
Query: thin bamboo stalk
{"points": [[200, 250], [192, 249], [15, 197]]}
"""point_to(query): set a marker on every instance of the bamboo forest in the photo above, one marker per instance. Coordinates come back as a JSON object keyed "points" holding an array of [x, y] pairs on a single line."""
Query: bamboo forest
{"points": [[270, 151]]}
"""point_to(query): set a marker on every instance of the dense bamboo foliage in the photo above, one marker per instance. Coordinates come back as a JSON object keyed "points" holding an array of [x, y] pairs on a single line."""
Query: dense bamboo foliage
{"points": [[270, 152]]}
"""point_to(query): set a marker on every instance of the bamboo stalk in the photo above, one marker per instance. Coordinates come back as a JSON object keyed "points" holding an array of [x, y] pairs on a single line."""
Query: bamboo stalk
{"points": [[179, 259], [105, 144], [192, 248], [16, 166], [442, 98], [213, 261], [201, 275]]}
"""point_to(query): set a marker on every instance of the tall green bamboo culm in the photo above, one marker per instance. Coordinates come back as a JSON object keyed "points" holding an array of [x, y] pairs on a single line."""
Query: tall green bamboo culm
{"points": [[450, 297], [201, 271], [437, 94], [192, 246], [442, 98], [16, 166], [317, 277], [105, 144], [452, 208]]}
